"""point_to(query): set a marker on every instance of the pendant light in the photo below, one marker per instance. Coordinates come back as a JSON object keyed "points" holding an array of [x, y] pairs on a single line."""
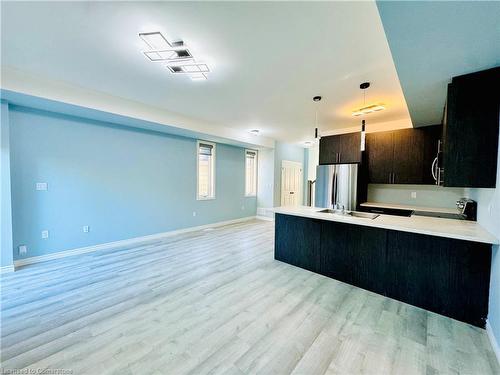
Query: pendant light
{"points": [[363, 87], [316, 99]]}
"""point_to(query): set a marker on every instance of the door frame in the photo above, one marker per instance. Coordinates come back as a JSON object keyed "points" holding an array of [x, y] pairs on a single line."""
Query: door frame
{"points": [[289, 163]]}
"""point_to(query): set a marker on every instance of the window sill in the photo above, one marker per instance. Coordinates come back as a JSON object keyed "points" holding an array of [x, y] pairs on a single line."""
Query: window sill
{"points": [[205, 198]]}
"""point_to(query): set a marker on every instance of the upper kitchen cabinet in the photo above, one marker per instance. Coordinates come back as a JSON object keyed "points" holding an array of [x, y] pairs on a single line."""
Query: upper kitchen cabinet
{"points": [[380, 157], [340, 149], [471, 130], [402, 156]]}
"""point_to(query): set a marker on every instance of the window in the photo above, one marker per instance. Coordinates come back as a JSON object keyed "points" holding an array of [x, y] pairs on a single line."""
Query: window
{"points": [[206, 170], [250, 173]]}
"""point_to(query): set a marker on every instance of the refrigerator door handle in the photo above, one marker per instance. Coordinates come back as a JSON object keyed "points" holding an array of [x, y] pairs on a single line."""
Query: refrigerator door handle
{"points": [[332, 198], [335, 188], [433, 169]]}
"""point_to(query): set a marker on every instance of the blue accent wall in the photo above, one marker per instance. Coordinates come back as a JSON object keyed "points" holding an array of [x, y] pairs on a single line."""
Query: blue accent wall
{"points": [[122, 182], [290, 152], [433, 41]]}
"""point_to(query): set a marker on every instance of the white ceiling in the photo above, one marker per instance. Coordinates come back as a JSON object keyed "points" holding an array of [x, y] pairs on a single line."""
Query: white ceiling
{"points": [[268, 59]]}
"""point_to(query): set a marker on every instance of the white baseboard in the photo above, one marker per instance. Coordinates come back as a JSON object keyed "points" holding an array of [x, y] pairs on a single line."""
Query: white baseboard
{"points": [[266, 218], [493, 341], [265, 212], [6, 269], [128, 242]]}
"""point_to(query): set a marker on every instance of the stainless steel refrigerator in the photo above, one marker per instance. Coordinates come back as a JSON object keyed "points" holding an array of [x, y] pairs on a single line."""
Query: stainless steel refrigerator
{"points": [[336, 185]]}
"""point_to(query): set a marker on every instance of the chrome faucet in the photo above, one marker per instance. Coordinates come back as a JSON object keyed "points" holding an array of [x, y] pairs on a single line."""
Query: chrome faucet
{"points": [[339, 207]]}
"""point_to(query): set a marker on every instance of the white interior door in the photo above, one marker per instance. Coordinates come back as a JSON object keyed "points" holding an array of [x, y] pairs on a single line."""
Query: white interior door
{"points": [[291, 183]]}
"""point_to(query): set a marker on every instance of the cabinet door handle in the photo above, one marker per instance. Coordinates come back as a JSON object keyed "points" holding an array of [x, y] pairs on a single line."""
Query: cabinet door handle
{"points": [[390, 175], [394, 178]]}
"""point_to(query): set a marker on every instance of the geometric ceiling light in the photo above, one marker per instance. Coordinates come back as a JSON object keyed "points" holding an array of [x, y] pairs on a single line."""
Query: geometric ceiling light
{"points": [[368, 109], [155, 40], [188, 68], [177, 57], [168, 55], [195, 71]]}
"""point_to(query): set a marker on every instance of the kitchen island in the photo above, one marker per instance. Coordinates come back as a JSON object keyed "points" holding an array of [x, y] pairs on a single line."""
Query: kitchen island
{"points": [[441, 265]]}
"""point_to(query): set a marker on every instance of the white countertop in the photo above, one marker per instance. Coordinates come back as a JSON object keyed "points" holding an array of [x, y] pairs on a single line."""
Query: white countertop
{"points": [[410, 207], [450, 228]]}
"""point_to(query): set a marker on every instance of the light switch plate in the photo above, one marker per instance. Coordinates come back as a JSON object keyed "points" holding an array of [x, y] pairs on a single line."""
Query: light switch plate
{"points": [[413, 195], [86, 229], [41, 186], [45, 234]]}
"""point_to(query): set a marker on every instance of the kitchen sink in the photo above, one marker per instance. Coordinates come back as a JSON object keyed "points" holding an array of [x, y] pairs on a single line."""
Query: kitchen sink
{"points": [[364, 215]]}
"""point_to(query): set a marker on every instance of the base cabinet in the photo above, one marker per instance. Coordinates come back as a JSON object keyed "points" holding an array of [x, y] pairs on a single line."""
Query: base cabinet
{"points": [[447, 276], [353, 254], [297, 241]]}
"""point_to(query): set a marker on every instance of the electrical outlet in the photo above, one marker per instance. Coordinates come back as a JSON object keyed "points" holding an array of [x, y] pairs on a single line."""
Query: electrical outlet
{"points": [[41, 186], [45, 234], [194, 213], [23, 249], [413, 195], [86, 229]]}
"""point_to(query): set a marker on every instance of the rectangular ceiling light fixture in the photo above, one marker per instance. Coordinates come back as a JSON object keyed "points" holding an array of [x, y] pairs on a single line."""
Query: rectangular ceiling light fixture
{"points": [[155, 40], [168, 55], [198, 76], [177, 57], [188, 67], [368, 109]]}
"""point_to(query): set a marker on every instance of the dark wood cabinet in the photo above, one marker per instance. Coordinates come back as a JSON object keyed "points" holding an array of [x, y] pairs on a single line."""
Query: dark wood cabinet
{"points": [[446, 276], [402, 156], [471, 130], [329, 150], [350, 148], [408, 162], [297, 241], [353, 254], [442, 275], [344, 148], [380, 157]]}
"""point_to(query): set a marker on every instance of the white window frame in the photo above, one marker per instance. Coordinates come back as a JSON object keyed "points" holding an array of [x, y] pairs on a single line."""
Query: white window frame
{"points": [[212, 177], [256, 171]]}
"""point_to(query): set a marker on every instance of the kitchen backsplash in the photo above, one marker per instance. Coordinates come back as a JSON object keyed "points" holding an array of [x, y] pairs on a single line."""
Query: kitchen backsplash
{"points": [[424, 195]]}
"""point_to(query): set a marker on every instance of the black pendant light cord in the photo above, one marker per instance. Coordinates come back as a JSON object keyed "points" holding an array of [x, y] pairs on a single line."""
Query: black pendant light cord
{"points": [[316, 99]]}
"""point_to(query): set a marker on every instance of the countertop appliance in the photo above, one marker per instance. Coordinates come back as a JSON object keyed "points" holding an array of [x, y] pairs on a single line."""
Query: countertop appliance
{"points": [[336, 186], [468, 208]]}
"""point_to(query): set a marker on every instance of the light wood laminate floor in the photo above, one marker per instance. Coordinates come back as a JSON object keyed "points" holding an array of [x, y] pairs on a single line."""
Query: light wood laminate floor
{"points": [[216, 301]]}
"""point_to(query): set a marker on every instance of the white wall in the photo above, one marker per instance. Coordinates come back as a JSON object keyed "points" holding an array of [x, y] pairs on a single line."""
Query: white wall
{"points": [[488, 204]]}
